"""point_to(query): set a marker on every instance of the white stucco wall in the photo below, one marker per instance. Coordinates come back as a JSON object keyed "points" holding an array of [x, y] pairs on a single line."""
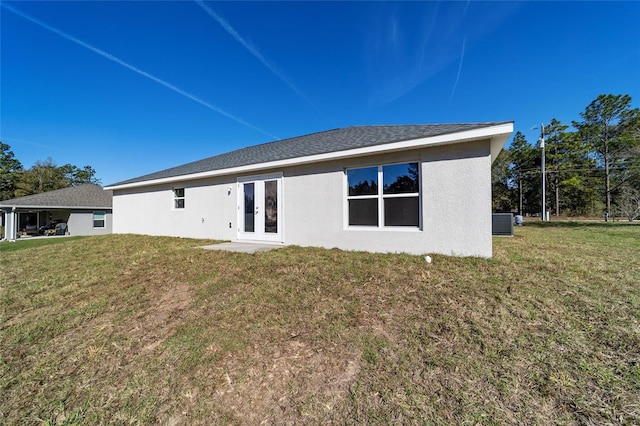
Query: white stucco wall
{"points": [[210, 206], [456, 205]]}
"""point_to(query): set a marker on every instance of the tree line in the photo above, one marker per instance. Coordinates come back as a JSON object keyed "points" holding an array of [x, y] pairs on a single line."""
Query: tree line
{"points": [[43, 176], [592, 168]]}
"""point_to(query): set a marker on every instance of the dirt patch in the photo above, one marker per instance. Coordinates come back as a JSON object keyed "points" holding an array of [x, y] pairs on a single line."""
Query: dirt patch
{"points": [[293, 376], [160, 321], [156, 319]]}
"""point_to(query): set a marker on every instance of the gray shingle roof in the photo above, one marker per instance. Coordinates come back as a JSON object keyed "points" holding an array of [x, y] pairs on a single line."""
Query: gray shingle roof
{"points": [[87, 196], [316, 143]]}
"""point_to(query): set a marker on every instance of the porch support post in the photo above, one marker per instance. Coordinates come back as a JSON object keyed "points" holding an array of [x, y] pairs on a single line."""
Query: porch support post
{"points": [[12, 225]]}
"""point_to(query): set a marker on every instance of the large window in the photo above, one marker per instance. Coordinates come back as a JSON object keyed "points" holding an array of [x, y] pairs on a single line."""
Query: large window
{"points": [[384, 195], [99, 219], [178, 197]]}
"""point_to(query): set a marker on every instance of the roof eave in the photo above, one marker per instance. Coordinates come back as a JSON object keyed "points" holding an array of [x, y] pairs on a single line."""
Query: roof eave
{"points": [[42, 207], [498, 134]]}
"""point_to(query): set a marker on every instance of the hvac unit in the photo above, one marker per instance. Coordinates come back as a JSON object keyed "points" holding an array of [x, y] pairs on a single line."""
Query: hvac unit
{"points": [[502, 224]]}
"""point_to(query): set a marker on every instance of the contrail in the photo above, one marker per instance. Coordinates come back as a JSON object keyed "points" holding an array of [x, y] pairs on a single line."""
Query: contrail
{"points": [[136, 70], [23, 142], [464, 42], [252, 49]]}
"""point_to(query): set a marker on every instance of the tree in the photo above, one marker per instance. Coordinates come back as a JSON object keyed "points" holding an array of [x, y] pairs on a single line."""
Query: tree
{"points": [[556, 157], [628, 195], [523, 171], [44, 176], [629, 202], [9, 168], [567, 163], [502, 197], [76, 176], [610, 130]]}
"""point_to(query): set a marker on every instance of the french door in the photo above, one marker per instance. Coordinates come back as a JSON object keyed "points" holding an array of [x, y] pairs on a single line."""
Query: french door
{"points": [[260, 208]]}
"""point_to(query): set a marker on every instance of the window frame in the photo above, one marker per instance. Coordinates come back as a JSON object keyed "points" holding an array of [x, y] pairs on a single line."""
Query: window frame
{"points": [[104, 219], [177, 198], [380, 197]]}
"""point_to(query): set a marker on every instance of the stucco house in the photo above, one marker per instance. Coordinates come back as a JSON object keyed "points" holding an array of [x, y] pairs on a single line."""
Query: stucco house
{"points": [[83, 209], [399, 188]]}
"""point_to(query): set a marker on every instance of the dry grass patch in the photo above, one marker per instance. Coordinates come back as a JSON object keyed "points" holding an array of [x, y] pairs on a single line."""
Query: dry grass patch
{"points": [[133, 329]]}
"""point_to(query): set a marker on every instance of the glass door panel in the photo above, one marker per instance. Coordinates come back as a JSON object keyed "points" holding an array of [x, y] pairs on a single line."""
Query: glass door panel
{"points": [[271, 206], [249, 206]]}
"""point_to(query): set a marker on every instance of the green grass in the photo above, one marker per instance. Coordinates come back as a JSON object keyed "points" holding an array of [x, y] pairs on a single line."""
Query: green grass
{"points": [[7, 246], [126, 329]]}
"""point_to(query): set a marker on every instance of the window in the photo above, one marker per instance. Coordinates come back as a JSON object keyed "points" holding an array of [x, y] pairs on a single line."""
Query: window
{"points": [[99, 219], [178, 198], [384, 195], [363, 196]]}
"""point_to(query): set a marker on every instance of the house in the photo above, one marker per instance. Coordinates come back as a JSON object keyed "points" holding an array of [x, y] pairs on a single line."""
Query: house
{"points": [[400, 188], [83, 210]]}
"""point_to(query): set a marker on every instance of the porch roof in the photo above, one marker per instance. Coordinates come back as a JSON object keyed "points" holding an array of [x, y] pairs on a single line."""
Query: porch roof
{"points": [[87, 196]]}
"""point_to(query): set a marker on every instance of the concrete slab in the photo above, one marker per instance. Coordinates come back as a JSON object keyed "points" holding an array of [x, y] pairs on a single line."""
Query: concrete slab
{"points": [[242, 247]]}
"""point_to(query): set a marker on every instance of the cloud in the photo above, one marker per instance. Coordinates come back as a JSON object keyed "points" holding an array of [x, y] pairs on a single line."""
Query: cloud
{"points": [[414, 41], [254, 51], [409, 44], [136, 70], [14, 140], [464, 42]]}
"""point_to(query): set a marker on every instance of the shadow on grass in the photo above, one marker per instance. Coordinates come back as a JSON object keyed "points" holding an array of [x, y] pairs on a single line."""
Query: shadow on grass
{"points": [[7, 246], [581, 224]]}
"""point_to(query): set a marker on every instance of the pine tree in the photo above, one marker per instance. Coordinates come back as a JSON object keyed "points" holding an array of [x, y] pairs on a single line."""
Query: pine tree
{"points": [[523, 171], [610, 130]]}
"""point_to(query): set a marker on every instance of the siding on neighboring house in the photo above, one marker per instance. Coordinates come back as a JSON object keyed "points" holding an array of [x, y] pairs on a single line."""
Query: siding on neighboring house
{"points": [[81, 222], [73, 205]]}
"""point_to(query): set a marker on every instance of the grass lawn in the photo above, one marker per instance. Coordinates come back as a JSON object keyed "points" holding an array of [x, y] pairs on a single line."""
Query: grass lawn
{"points": [[125, 329], [7, 246]]}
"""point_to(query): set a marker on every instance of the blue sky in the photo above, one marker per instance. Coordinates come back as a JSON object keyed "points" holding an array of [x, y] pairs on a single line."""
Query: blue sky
{"points": [[135, 87]]}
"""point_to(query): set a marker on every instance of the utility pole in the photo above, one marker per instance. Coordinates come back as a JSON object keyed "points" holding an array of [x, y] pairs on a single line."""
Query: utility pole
{"points": [[544, 193]]}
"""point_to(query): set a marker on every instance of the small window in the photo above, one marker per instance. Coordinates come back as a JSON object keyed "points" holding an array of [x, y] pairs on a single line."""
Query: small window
{"points": [[178, 196], [99, 219]]}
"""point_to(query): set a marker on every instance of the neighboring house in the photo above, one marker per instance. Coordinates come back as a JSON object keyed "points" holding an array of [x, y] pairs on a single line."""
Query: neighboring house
{"points": [[84, 209], [404, 188]]}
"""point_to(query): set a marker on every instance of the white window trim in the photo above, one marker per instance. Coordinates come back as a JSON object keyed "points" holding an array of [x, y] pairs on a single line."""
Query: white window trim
{"points": [[381, 196], [93, 219]]}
